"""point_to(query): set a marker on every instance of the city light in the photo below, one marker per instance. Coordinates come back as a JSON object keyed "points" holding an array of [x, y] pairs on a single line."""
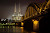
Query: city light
{"points": [[2, 19], [22, 29], [12, 15], [22, 23], [35, 24]]}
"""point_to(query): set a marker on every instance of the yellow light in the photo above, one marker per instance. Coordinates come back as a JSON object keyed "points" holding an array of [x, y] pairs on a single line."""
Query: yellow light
{"points": [[33, 14], [16, 24], [21, 29], [22, 23], [35, 22]]}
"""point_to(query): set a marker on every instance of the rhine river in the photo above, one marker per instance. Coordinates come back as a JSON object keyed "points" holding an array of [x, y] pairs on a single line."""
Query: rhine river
{"points": [[13, 29]]}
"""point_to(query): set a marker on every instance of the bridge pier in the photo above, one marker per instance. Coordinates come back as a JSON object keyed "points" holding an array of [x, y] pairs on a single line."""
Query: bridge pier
{"points": [[28, 25]]}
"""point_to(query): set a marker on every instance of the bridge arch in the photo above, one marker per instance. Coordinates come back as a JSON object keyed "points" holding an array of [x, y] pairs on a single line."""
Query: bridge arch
{"points": [[47, 5], [35, 9], [32, 10]]}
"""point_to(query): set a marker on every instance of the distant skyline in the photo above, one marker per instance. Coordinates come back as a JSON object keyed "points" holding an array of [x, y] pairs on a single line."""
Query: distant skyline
{"points": [[7, 7]]}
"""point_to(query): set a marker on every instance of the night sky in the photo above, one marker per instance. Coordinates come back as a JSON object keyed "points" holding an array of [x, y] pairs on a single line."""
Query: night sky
{"points": [[7, 7]]}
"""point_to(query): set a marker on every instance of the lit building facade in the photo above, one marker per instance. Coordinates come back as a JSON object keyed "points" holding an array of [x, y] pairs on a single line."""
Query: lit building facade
{"points": [[15, 16]]}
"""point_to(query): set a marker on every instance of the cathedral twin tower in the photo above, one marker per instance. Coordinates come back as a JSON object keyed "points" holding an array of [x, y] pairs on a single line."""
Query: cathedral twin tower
{"points": [[17, 16]]}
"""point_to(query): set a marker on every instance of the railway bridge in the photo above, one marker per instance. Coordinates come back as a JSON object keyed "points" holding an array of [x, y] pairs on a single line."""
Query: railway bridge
{"points": [[34, 13]]}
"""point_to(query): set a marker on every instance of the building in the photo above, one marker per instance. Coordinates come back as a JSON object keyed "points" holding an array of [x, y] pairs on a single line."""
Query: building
{"points": [[17, 17]]}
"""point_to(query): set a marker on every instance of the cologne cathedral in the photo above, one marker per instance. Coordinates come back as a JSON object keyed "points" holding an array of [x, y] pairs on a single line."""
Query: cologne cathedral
{"points": [[17, 15]]}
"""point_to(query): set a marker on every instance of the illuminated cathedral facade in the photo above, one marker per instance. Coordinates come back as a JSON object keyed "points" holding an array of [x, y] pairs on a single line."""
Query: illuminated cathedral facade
{"points": [[17, 16]]}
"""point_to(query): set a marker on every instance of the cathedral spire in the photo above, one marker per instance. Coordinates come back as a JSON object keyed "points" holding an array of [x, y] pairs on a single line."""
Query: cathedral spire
{"points": [[19, 7], [17, 16], [19, 12], [15, 8]]}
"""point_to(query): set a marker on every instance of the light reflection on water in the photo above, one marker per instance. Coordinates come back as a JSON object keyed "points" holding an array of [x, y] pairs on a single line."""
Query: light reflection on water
{"points": [[13, 29]]}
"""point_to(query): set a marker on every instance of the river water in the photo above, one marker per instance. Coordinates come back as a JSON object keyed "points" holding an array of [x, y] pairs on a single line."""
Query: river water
{"points": [[13, 29]]}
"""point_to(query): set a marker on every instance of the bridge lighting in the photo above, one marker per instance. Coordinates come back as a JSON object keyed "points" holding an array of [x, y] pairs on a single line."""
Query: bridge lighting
{"points": [[22, 29], [32, 20], [22, 23], [43, 10], [35, 24]]}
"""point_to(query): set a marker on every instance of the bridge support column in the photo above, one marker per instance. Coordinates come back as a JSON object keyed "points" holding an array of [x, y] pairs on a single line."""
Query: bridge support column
{"points": [[28, 25]]}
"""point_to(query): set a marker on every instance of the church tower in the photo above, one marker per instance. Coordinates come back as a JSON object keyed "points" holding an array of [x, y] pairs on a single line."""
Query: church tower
{"points": [[17, 17], [14, 16], [19, 14]]}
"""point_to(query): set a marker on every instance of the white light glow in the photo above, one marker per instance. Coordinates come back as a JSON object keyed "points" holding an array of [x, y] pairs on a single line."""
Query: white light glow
{"points": [[12, 15]]}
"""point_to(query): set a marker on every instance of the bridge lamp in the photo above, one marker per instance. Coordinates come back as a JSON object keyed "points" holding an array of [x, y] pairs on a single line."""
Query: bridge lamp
{"points": [[22, 23], [32, 20], [35, 24], [43, 10], [22, 29]]}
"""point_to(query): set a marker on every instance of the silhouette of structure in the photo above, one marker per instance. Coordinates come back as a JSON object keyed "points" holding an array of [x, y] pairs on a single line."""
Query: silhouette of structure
{"points": [[36, 11], [35, 15]]}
